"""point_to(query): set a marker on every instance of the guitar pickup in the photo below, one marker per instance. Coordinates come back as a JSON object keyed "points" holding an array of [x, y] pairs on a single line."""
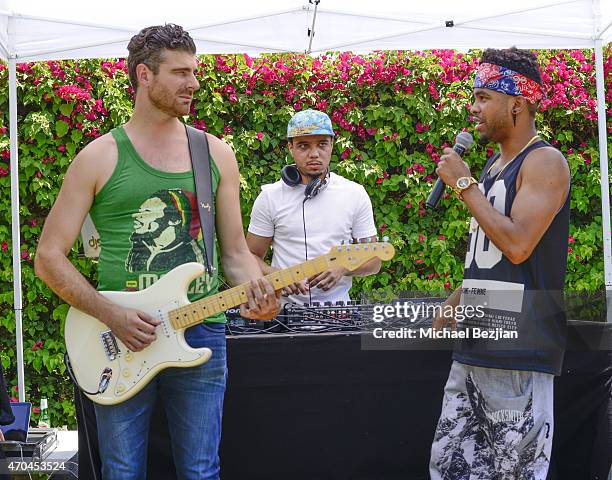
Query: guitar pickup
{"points": [[109, 344]]}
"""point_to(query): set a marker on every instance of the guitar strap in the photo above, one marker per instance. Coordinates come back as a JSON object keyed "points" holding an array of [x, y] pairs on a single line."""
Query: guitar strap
{"points": [[202, 175]]}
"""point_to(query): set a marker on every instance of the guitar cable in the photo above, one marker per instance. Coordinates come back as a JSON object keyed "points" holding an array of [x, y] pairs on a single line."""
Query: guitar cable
{"points": [[93, 464], [306, 243]]}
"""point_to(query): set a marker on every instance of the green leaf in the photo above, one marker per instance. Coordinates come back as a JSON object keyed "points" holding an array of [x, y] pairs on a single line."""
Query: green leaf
{"points": [[76, 135], [61, 128], [66, 109]]}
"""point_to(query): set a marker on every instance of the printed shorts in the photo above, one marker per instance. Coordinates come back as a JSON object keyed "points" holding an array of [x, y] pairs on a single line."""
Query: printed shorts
{"points": [[495, 425]]}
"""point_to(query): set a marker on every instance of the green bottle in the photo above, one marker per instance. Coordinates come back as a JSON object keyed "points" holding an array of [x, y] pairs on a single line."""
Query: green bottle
{"points": [[43, 420]]}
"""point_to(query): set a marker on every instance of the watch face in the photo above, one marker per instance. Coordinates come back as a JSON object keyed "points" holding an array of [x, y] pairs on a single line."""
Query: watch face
{"points": [[463, 182]]}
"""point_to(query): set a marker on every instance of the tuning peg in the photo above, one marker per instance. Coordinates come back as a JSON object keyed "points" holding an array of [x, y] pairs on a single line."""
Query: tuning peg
{"points": [[342, 242], [385, 239]]}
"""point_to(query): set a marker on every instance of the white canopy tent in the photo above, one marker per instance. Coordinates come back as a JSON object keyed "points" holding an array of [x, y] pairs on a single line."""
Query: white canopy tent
{"points": [[32, 30]]}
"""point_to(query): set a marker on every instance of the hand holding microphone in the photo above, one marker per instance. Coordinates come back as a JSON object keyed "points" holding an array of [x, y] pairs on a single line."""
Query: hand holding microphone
{"points": [[449, 169]]}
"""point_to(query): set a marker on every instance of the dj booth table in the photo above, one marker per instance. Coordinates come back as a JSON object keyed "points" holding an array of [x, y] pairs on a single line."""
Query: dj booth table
{"points": [[318, 407]]}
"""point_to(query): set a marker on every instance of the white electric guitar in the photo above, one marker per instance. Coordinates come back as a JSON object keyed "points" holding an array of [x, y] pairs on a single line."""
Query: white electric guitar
{"points": [[109, 373]]}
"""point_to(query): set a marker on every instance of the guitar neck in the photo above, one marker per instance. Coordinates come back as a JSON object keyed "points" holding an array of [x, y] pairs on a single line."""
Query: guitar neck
{"points": [[195, 312]]}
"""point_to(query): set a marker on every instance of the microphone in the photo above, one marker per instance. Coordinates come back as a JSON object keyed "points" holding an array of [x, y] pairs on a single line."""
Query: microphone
{"points": [[462, 143]]}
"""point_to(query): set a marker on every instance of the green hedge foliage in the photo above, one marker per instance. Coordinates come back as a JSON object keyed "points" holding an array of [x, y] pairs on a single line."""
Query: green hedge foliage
{"points": [[393, 112]]}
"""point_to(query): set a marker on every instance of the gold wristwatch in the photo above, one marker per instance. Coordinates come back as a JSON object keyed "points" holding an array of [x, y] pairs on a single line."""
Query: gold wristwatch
{"points": [[463, 183]]}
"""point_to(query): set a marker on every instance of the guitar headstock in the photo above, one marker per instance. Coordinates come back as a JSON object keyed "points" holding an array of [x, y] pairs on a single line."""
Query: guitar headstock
{"points": [[353, 255]]}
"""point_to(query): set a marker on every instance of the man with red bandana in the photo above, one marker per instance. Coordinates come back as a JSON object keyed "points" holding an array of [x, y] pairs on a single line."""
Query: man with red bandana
{"points": [[497, 412]]}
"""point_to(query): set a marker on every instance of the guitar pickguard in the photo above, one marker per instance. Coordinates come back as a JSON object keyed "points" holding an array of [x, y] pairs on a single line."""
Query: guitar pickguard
{"points": [[169, 347]]}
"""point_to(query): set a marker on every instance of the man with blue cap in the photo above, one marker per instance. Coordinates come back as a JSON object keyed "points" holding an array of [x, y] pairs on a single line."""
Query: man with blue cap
{"points": [[309, 211]]}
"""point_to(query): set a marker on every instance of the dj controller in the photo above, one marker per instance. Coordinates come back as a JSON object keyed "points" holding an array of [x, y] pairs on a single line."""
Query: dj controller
{"points": [[313, 318]]}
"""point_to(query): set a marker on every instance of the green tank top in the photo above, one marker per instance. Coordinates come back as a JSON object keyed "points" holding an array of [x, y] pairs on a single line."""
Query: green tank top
{"points": [[149, 223]]}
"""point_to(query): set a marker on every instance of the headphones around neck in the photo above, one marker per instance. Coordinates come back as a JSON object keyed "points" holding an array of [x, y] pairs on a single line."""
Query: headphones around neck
{"points": [[292, 177]]}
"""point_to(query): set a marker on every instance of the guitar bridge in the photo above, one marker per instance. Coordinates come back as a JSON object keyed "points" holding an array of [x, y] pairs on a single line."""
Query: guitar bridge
{"points": [[109, 344]]}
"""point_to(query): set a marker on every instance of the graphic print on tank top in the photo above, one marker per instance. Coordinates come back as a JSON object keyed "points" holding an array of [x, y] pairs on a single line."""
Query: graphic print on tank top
{"points": [[165, 233], [497, 304]]}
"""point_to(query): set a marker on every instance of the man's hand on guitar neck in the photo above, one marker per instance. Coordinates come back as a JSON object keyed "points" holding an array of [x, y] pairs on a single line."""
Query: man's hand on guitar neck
{"points": [[327, 279], [135, 328], [264, 302]]}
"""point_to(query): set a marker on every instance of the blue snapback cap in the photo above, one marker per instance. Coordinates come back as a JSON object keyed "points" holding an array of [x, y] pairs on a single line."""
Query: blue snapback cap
{"points": [[309, 122]]}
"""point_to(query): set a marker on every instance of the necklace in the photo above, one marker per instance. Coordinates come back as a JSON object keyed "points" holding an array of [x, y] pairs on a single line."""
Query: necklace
{"points": [[533, 139]]}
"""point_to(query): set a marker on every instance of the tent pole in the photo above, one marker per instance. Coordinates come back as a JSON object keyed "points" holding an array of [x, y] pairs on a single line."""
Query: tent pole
{"points": [[539, 33], [34, 55], [17, 297], [605, 182], [311, 32]]}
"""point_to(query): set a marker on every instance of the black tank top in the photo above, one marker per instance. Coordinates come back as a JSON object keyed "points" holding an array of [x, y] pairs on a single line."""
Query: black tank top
{"points": [[521, 306]]}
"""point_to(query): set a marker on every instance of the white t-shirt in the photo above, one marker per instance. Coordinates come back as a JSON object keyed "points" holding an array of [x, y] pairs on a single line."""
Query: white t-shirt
{"points": [[341, 211]]}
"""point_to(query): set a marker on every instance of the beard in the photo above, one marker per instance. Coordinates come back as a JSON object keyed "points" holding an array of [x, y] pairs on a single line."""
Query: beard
{"points": [[483, 140], [145, 237], [167, 102], [497, 129], [314, 174]]}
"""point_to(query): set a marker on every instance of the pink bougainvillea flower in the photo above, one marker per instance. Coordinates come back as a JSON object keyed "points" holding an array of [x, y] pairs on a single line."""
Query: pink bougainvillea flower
{"points": [[72, 93], [345, 154]]}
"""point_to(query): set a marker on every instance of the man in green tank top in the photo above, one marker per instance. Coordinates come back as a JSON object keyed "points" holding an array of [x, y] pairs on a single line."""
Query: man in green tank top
{"points": [[138, 186]]}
